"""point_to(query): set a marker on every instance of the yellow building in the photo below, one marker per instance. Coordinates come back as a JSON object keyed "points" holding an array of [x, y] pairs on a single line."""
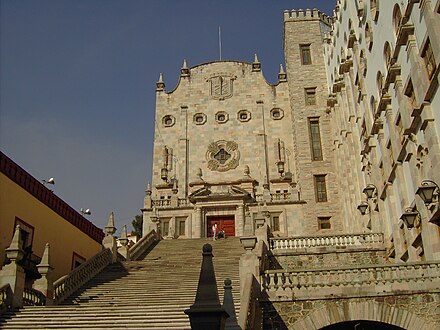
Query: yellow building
{"points": [[43, 218]]}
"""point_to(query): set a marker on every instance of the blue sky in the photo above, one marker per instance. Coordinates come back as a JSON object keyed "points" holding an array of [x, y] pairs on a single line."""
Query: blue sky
{"points": [[77, 83]]}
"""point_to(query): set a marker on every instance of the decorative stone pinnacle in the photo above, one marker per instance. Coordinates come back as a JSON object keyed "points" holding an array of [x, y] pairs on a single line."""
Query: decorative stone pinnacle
{"points": [[256, 65], [110, 229], [184, 71], [123, 239], [206, 312], [148, 190], [246, 171], [199, 174], [228, 305], [175, 189], [160, 85], [282, 76], [15, 251]]}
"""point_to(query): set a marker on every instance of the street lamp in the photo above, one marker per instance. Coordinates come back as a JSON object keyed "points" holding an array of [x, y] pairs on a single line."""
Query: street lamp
{"points": [[363, 207], [85, 211], [370, 190], [427, 190], [411, 217], [49, 181]]}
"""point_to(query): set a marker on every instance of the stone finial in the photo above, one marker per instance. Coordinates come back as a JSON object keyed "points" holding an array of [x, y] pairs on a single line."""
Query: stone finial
{"points": [[206, 312], [123, 239], [160, 85], [228, 305], [256, 65], [184, 71], [148, 189], [246, 171], [110, 229], [15, 250], [175, 189], [45, 283], [282, 76], [199, 174]]}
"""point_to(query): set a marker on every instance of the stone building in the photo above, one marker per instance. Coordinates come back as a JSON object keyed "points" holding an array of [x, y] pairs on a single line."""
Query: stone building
{"points": [[338, 159]]}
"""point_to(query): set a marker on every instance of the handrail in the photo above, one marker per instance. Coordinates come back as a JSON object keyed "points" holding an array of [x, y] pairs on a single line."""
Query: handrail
{"points": [[6, 297], [32, 297], [68, 284], [248, 319], [336, 240], [142, 245], [326, 281]]}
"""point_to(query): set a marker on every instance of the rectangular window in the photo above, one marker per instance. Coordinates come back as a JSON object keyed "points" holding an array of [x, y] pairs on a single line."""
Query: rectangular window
{"points": [[306, 57], [276, 223], [165, 227], [324, 223], [428, 57], [310, 95], [320, 188], [181, 227], [315, 139]]}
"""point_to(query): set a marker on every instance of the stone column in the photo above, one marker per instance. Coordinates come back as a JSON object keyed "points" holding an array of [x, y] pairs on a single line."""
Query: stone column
{"points": [[13, 274], [45, 283], [239, 223], [198, 223]]}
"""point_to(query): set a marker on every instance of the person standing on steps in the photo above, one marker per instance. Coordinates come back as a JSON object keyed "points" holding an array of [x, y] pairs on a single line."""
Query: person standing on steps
{"points": [[214, 231]]}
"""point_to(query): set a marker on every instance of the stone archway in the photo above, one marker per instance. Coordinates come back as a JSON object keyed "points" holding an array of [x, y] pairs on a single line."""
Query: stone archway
{"points": [[361, 325], [346, 311]]}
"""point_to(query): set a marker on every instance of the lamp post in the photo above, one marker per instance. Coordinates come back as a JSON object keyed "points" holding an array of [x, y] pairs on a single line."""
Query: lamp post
{"points": [[428, 190], [411, 217]]}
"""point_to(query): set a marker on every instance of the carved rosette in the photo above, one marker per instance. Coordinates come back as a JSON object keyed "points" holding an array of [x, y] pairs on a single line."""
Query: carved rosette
{"points": [[223, 156]]}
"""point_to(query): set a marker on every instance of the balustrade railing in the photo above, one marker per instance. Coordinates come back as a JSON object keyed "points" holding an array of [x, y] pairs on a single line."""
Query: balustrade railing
{"points": [[161, 202], [6, 296], [326, 241], [32, 297], [274, 197], [142, 245], [331, 281], [66, 285]]}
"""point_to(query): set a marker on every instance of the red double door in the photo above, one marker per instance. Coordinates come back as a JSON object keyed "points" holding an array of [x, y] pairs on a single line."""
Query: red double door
{"points": [[225, 222]]}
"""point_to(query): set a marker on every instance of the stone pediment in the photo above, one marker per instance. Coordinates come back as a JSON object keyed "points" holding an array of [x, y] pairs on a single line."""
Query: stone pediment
{"points": [[219, 192]]}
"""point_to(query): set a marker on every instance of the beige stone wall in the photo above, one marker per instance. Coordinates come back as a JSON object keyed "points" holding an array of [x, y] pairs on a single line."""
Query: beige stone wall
{"points": [[415, 311]]}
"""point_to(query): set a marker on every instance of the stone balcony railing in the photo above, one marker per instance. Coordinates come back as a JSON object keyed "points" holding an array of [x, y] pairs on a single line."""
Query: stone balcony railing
{"points": [[361, 240], [351, 281], [166, 203], [275, 197]]}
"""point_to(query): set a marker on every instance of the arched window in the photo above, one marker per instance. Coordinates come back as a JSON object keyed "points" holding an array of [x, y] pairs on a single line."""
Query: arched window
{"points": [[380, 82], [397, 17], [368, 36], [387, 54], [363, 63], [373, 104], [374, 9]]}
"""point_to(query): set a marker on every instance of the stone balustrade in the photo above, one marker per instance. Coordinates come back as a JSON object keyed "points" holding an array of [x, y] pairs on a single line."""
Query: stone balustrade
{"points": [[6, 295], [66, 285], [32, 297], [274, 197], [345, 240], [142, 245], [371, 280], [166, 203]]}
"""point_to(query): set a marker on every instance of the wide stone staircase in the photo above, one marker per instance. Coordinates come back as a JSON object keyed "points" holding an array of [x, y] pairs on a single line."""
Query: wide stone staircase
{"points": [[150, 293]]}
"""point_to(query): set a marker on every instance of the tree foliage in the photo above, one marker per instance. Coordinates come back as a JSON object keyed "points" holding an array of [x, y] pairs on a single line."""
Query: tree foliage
{"points": [[137, 225]]}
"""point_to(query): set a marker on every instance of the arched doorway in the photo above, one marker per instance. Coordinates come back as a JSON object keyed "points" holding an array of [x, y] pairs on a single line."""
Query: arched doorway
{"points": [[361, 325]]}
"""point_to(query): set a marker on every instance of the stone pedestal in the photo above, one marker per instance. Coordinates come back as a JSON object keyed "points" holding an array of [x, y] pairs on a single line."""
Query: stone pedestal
{"points": [[45, 283]]}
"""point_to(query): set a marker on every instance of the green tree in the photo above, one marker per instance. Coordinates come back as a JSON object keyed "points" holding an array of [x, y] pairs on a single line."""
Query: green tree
{"points": [[137, 226]]}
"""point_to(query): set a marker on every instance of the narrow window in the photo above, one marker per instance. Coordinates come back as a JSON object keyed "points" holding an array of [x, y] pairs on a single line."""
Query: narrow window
{"points": [[315, 139], [276, 223], [409, 92], [428, 57], [324, 223], [165, 228], [182, 228], [306, 57], [320, 188], [310, 94]]}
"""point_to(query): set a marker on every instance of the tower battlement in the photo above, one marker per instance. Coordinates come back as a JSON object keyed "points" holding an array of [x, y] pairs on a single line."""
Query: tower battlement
{"points": [[307, 14]]}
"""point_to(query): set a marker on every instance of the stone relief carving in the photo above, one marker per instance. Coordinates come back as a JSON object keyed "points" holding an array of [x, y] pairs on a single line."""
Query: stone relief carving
{"points": [[221, 86], [222, 155]]}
